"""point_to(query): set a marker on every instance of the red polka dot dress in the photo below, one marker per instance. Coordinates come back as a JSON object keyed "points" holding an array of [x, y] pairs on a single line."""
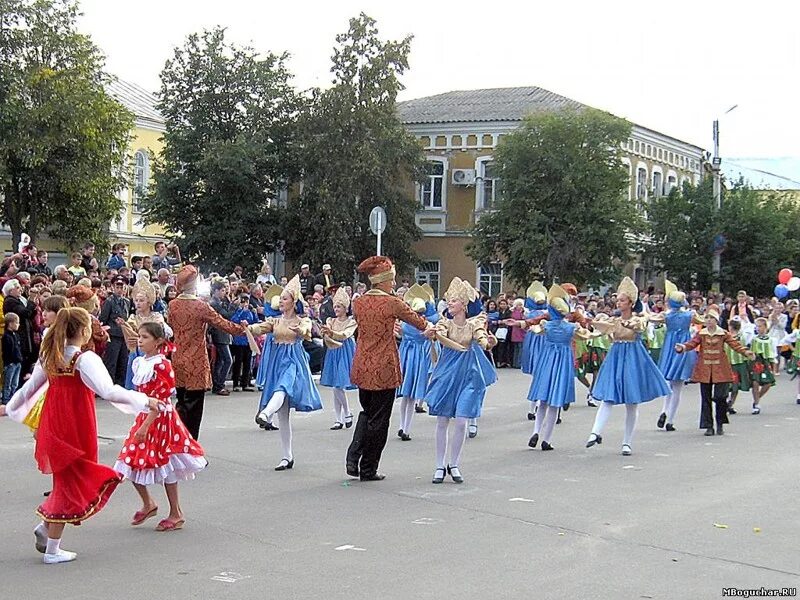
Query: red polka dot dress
{"points": [[169, 453]]}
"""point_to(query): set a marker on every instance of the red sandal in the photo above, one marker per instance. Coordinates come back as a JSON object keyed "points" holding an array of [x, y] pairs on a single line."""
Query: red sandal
{"points": [[140, 517], [167, 525]]}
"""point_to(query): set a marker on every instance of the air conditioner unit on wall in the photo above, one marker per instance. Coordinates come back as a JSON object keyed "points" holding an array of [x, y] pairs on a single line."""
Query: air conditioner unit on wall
{"points": [[463, 177]]}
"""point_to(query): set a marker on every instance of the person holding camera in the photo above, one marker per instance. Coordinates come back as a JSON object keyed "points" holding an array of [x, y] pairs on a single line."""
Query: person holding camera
{"points": [[166, 256]]}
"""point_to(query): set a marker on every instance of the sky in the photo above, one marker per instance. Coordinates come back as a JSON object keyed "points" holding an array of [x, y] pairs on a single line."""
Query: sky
{"points": [[672, 66]]}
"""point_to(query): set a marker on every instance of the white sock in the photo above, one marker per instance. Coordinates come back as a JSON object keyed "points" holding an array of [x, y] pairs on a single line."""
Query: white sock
{"points": [[275, 403], [441, 440], [631, 414], [532, 409], [667, 403], [539, 422], [406, 406], [53, 546], [345, 406], [675, 400], [338, 405], [457, 445], [286, 431], [601, 418], [549, 417]]}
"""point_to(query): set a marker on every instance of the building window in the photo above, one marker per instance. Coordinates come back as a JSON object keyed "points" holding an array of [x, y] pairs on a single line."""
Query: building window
{"points": [[428, 272], [141, 176], [431, 192], [490, 186], [636, 146], [641, 186], [671, 183], [660, 154], [490, 279], [657, 184]]}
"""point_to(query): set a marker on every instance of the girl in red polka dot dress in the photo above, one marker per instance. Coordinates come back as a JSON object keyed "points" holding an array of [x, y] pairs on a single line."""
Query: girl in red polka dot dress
{"points": [[159, 448]]}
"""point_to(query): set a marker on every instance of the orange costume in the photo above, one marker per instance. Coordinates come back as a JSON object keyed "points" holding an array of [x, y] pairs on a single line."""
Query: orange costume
{"points": [[376, 366], [189, 318]]}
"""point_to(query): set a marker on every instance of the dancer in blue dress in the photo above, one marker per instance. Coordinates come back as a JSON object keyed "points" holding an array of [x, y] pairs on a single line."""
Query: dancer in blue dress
{"points": [[462, 374], [417, 355], [535, 305], [553, 385], [272, 298], [676, 368], [628, 375], [288, 375], [337, 335]]}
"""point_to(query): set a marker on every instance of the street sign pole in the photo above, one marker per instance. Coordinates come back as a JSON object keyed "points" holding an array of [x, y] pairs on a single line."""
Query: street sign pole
{"points": [[380, 232], [377, 223]]}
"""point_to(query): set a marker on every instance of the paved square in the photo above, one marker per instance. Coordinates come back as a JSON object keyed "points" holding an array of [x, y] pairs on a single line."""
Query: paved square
{"points": [[684, 517]]}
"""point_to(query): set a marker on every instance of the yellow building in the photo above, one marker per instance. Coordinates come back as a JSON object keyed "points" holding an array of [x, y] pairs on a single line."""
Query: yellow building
{"points": [[146, 141], [459, 132]]}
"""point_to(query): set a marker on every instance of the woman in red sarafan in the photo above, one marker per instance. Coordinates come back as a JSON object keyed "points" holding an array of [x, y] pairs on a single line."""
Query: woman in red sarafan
{"points": [[159, 449], [66, 441]]}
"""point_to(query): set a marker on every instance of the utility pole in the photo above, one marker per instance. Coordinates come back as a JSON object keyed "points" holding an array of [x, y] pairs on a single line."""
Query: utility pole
{"points": [[716, 164]]}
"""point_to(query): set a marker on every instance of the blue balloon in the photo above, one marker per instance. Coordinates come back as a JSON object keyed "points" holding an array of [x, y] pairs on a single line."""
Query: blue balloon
{"points": [[781, 291]]}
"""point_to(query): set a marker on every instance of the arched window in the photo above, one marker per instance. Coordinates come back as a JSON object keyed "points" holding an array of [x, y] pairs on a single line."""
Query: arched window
{"points": [[141, 177]]}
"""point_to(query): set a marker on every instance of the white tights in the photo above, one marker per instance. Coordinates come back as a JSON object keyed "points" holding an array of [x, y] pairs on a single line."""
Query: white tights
{"points": [[277, 404], [340, 405], [546, 421], [631, 414], [407, 406], [456, 440], [672, 401]]}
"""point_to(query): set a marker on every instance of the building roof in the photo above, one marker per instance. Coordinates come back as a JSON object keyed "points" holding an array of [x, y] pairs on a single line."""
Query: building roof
{"points": [[498, 104], [764, 173], [136, 99]]}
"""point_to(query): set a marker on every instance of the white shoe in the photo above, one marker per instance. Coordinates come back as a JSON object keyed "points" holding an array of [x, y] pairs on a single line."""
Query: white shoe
{"points": [[40, 533], [472, 431], [626, 450], [61, 556]]}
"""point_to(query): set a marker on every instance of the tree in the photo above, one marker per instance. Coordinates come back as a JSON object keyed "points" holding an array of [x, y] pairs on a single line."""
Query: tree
{"points": [[356, 155], [563, 212], [229, 149], [759, 238], [63, 139], [682, 233]]}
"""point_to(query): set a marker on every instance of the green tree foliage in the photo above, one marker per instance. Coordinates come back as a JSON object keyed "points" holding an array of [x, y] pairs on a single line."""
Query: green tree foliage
{"points": [[63, 139], [356, 155], [682, 231], [229, 149], [563, 212], [756, 231]]}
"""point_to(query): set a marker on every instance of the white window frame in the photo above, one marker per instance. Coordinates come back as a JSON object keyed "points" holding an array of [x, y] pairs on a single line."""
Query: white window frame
{"points": [[670, 174], [422, 277], [627, 162], [641, 201], [480, 170], [479, 274], [445, 171], [140, 190], [657, 191]]}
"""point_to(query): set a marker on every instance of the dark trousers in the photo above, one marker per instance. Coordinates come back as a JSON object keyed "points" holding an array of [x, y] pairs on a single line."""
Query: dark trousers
{"points": [[718, 394], [189, 404], [221, 366], [372, 429], [242, 355], [116, 360]]}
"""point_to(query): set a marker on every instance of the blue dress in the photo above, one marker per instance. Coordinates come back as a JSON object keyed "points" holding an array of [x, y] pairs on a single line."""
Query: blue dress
{"points": [[338, 362], [129, 372], [458, 383], [674, 366], [416, 363], [287, 370], [554, 372], [629, 375], [531, 345]]}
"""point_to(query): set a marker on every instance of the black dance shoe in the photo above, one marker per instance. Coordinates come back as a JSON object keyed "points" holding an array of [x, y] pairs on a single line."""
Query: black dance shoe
{"points": [[532, 416], [661, 420], [534, 440], [285, 465], [546, 446], [405, 437], [598, 439], [455, 473], [337, 426], [670, 427]]}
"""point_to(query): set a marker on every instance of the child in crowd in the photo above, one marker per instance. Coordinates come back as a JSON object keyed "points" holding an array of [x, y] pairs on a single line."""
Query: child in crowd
{"points": [[739, 365], [76, 268], [761, 372], [12, 356]]}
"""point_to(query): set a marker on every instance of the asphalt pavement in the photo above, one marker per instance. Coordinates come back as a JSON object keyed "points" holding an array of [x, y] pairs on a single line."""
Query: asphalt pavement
{"points": [[684, 517]]}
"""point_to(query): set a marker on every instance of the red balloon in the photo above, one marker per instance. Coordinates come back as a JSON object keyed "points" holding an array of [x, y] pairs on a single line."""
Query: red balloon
{"points": [[784, 275]]}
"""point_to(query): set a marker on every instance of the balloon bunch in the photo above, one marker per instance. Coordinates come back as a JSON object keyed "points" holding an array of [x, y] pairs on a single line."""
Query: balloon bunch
{"points": [[787, 282]]}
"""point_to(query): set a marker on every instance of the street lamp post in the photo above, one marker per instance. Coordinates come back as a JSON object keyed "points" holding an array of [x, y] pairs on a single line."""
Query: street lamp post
{"points": [[716, 164]]}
